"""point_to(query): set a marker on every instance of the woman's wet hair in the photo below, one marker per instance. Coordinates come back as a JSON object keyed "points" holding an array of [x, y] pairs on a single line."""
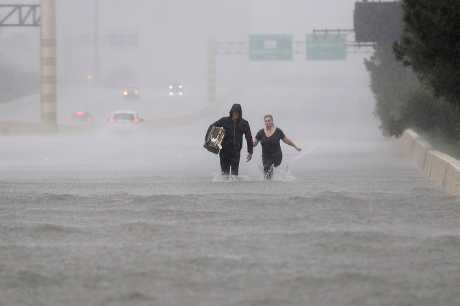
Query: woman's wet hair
{"points": [[268, 116]]}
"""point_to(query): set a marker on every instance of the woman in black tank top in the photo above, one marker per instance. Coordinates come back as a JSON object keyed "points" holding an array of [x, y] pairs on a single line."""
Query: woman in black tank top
{"points": [[269, 137]]}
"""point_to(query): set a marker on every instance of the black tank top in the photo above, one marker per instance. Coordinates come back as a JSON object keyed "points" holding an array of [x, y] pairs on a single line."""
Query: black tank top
{"points": [[270, 145]]}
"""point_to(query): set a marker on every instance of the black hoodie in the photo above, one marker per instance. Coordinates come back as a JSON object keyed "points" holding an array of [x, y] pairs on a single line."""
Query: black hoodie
{"points": [[234, 130]]}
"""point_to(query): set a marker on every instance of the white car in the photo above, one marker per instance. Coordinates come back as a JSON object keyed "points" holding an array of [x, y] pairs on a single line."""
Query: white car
{"points": [[176, 89], [124, 121]]}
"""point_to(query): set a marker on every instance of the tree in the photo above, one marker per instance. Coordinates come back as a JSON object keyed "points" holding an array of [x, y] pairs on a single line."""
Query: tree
{"points": [[430, 44], [393, 84]]}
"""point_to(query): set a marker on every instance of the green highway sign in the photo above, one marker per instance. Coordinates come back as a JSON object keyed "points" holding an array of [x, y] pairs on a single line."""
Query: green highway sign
{"points": [[270, 47], [326, 47]]}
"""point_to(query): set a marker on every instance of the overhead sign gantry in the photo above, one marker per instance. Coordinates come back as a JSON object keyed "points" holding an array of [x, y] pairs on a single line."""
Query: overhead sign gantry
{"points": [[270, 47], [43, 16], [19, 15]]}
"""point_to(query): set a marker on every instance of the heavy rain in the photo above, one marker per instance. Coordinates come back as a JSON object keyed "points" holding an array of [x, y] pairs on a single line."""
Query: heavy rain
{"points": [[109, 197]]}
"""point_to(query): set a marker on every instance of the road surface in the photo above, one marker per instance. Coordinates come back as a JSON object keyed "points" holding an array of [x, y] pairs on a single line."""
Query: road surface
{"points": [[106, 219]]}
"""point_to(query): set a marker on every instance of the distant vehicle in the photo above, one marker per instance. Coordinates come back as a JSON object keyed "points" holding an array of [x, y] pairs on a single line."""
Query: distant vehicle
{"points": [[176, 89], [124, 121], [131, 92], [84, 118]]}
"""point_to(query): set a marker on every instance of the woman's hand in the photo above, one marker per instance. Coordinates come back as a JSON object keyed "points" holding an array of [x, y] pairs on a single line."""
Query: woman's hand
{"points": [[291, 143]]}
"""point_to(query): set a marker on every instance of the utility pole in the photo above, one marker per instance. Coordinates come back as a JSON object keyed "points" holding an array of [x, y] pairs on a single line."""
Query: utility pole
{"points": [[48, 71], [96, 76], [212, 71]]}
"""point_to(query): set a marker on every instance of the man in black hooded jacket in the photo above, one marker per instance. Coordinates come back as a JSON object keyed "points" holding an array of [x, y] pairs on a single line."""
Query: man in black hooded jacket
{"points": [[235, 126]]}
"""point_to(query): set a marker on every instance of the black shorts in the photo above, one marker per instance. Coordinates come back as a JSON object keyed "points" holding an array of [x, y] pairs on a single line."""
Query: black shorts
{"points": [[270, 161]]}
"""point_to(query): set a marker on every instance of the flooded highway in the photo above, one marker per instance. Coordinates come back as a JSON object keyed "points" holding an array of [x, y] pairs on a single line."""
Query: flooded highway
{"points": [[147, 221]]}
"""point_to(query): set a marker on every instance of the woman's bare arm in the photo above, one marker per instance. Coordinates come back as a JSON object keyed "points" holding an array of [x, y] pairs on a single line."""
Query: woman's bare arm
{"points": [[291, 143]]}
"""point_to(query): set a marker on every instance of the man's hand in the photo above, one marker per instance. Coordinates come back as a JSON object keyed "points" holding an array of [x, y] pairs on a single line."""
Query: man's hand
{"points": [[248, 158], [298, 149]]}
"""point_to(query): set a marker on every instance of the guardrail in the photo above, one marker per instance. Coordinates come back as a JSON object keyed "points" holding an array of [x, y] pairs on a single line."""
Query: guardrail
{"points": [[35, 128]]}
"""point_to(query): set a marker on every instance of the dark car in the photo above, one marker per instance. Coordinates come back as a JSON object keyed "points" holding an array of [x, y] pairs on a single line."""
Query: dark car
{"points": [[130, 92], [82, 118]]}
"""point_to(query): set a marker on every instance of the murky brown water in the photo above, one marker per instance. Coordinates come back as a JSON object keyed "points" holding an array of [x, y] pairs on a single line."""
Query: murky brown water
{"points": [[349, 231]]}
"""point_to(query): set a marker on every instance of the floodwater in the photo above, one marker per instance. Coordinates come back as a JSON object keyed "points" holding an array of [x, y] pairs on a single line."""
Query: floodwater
{"points": [[103, 219], [372, 232]]}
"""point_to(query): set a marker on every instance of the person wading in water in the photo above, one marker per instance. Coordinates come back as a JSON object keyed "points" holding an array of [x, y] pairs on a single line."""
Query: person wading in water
{"points": [[269, 137], [235, 127]]}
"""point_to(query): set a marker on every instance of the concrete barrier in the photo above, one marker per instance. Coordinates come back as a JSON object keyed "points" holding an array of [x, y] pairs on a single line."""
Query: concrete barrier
{"points": [[436, 167], [442, 169], [407, 140], [452, 181], [420, 150], [36, 128], [21, 128], [414, 148]]}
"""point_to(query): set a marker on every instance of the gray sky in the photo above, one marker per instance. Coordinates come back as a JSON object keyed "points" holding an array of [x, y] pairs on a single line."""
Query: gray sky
{"points": [[298, 16], [173, 33]]}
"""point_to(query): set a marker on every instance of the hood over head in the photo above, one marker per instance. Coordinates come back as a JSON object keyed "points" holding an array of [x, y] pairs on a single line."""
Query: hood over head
{"points": [[236, 108]]}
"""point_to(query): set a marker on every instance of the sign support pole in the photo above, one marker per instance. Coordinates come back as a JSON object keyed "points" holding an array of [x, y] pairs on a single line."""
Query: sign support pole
{"points": [[48, 71]]}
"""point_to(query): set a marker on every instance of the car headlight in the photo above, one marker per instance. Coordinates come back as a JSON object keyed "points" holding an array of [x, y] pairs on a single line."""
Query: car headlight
{"points": [[180, 86], [181, 93], [171, 87], [125, 93], [171, 93]]}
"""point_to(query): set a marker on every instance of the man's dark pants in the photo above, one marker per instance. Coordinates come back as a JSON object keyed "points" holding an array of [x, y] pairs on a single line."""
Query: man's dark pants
{"points": [[229, 162]]}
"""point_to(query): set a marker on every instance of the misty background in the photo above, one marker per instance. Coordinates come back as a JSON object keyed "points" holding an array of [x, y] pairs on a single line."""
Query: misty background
{"points": [[150, 44], [92, 215]]}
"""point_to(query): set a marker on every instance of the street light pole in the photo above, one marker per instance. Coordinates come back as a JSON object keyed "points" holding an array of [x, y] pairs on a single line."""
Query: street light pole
{"points": [[96, 76], [212, 71], [48, 71]]}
